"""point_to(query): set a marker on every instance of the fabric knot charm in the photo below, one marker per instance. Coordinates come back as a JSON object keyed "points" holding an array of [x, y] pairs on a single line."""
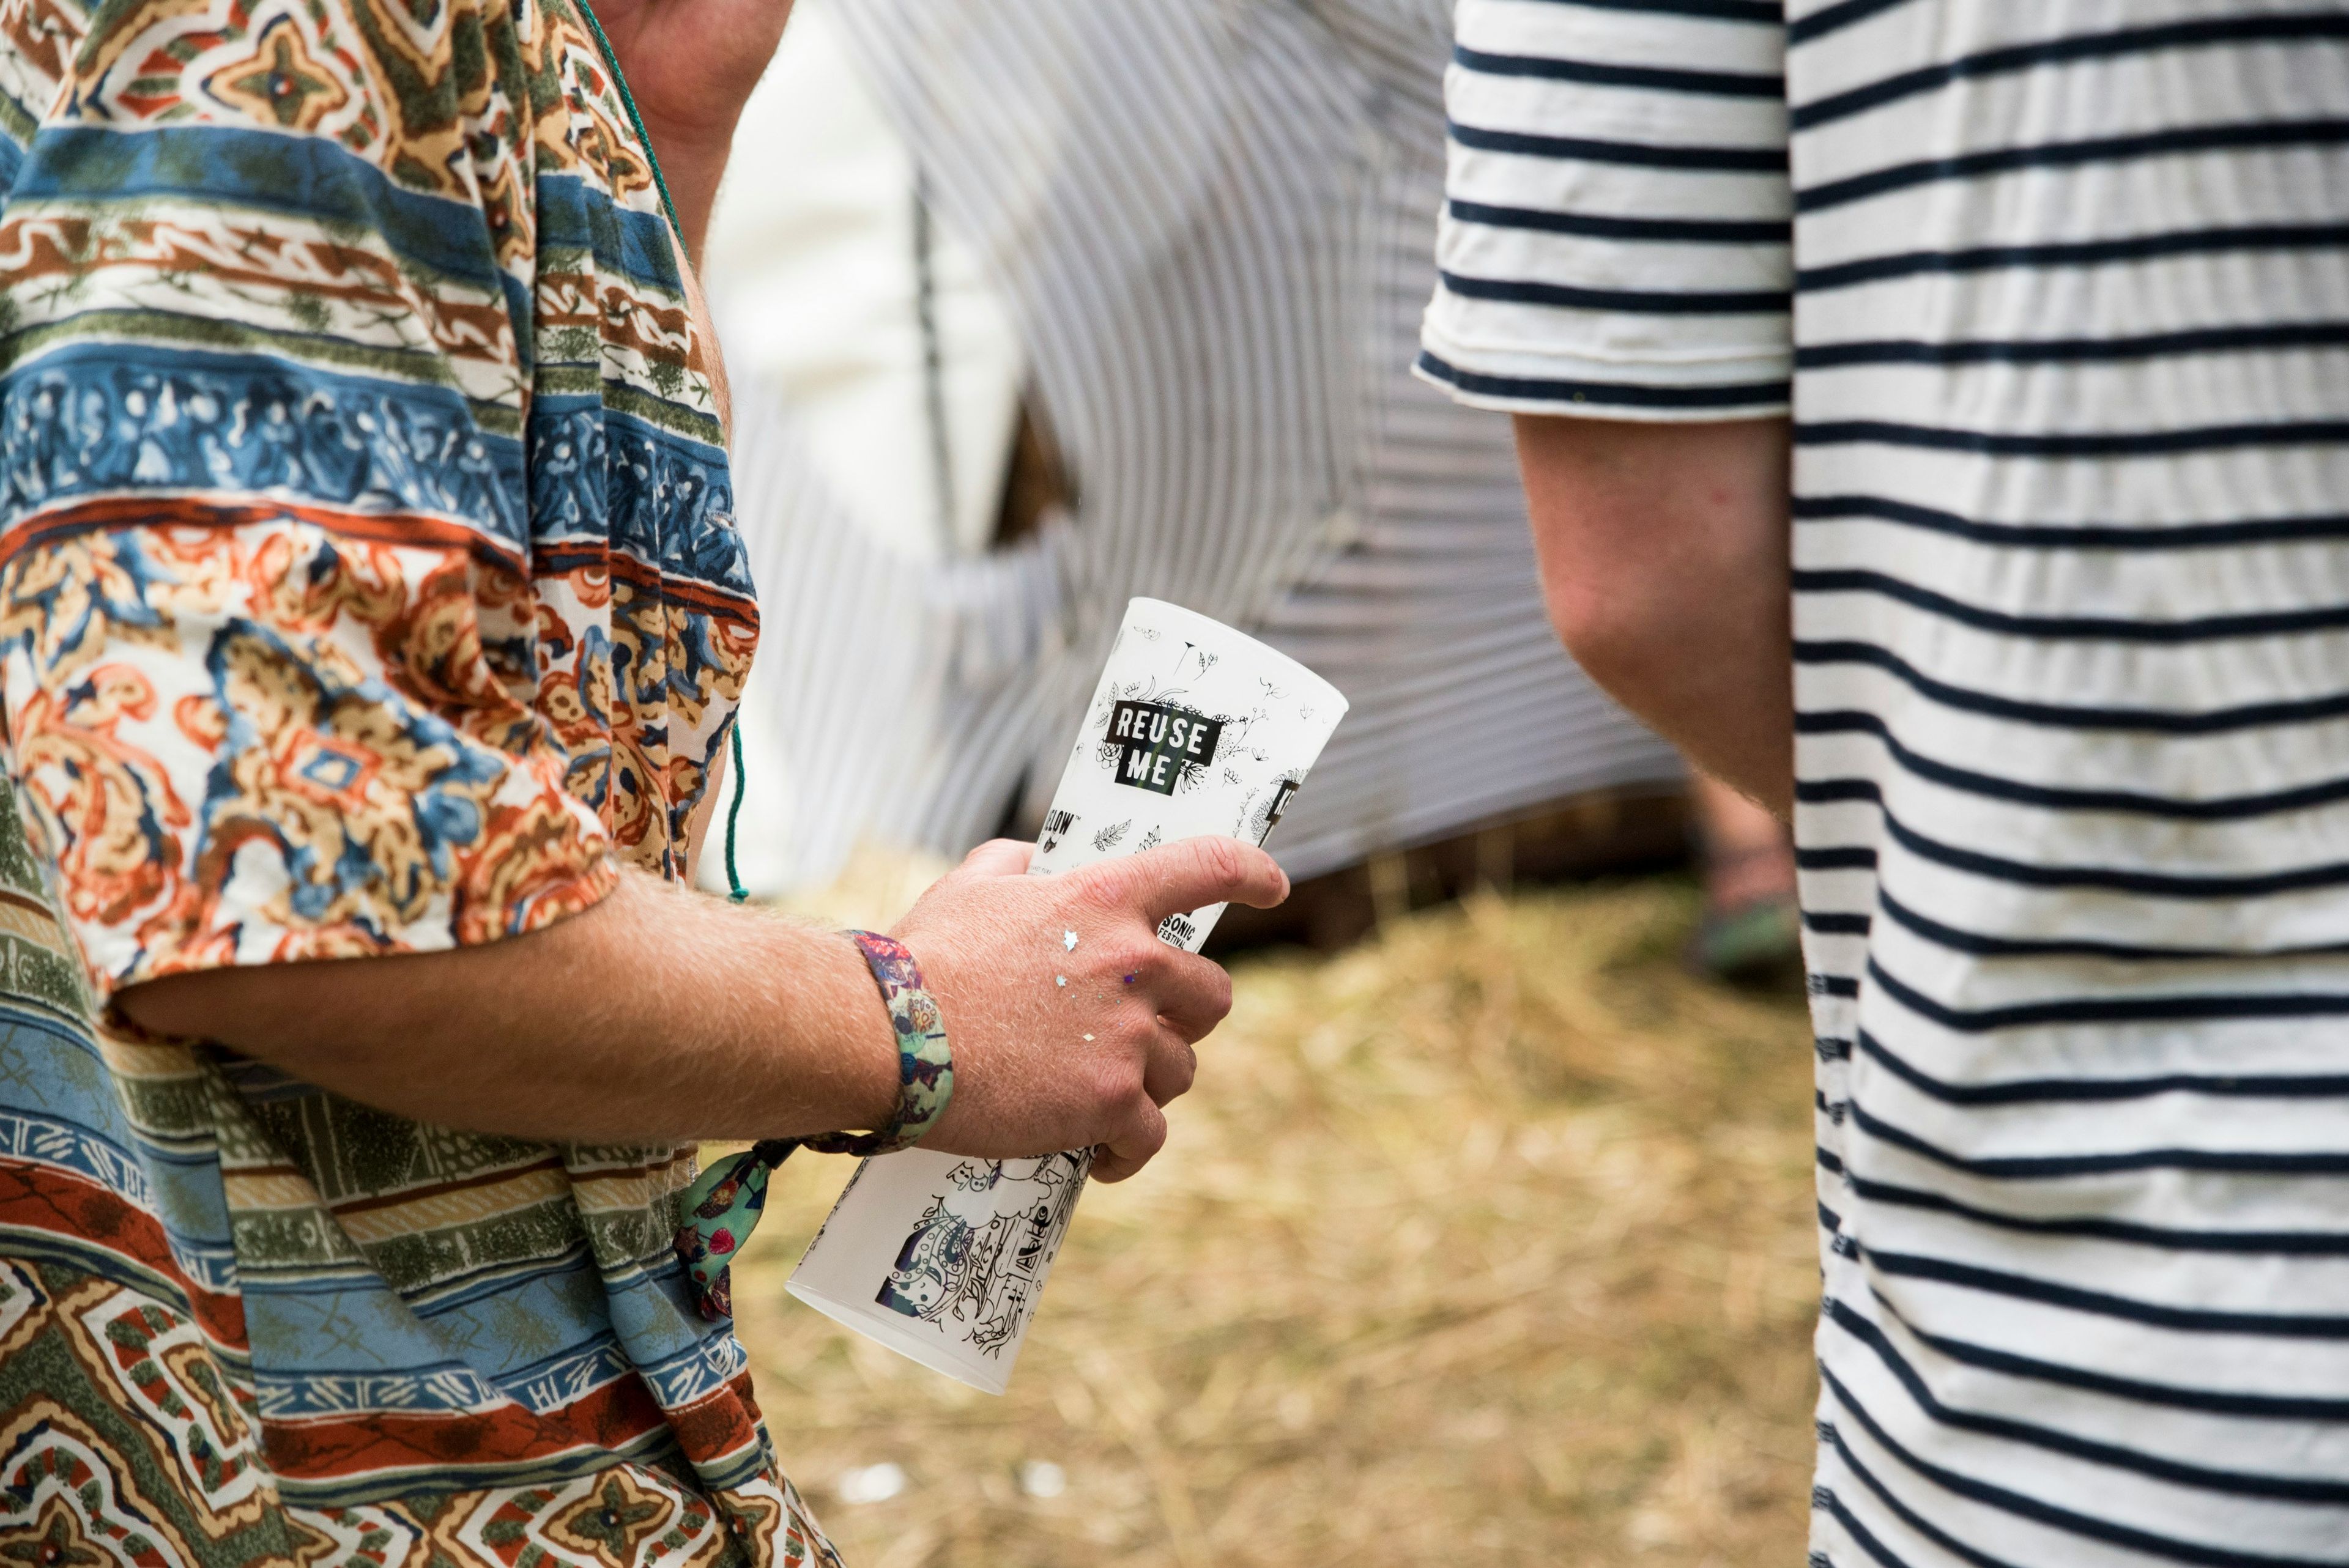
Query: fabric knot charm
{"points": [[722, 1206]]}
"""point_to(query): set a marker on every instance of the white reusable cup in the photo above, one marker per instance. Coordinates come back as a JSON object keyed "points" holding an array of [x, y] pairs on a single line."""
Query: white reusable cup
{"points": [[1195, 730]]}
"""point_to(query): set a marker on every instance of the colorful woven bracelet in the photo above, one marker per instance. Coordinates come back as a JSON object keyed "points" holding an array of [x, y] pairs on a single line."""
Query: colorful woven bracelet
{"points": [[925, 1066], [723, 1205]]}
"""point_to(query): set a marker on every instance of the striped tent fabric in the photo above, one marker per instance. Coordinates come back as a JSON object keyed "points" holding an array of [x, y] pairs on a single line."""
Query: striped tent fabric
{"points": [[1214, 225]]}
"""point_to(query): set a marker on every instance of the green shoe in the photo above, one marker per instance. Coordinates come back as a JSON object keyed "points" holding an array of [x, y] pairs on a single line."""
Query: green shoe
{"points": [[1752, 944]]}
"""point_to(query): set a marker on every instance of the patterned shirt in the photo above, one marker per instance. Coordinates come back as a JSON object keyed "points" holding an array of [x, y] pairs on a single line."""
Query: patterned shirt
{"points": [[366, 586], [2057, 296]]}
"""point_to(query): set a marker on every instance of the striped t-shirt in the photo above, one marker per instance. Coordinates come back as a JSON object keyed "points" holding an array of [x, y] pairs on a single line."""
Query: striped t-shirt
{"points": [[2057, 295]]}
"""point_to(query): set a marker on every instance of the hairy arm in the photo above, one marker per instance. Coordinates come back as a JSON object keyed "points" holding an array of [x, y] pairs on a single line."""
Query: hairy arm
{"points": [[690, 67], [662, 1013], [1663, 551], [658, 1013]]}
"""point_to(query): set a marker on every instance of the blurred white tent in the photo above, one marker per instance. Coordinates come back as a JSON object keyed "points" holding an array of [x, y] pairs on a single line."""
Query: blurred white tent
{"points": [[1195, 236]]}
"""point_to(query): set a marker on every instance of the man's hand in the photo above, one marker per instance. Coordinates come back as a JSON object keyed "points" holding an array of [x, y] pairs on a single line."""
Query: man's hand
{"points": [[690, 65], [1663, 555], [663, 1014], [1058, 1046]]}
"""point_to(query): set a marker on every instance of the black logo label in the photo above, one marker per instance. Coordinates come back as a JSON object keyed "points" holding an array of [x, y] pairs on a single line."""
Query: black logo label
{"points": [[1280, 799], [1156, 744]]}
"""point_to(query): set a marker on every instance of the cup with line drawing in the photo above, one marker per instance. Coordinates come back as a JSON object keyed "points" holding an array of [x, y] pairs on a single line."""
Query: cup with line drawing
{"points": [[1193, 729]]}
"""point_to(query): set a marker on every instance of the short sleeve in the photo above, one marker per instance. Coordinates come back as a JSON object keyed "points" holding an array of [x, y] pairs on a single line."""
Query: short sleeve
{"points": [[1614, 241], [268, 643]]}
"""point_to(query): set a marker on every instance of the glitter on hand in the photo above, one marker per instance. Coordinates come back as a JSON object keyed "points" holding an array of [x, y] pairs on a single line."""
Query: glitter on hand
{"points": [[1069, 940], [1060, 980]]}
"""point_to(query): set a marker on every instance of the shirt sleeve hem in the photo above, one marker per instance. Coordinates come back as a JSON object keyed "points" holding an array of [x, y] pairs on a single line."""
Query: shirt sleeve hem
{"points": [[543, 904], [1579, 397]]}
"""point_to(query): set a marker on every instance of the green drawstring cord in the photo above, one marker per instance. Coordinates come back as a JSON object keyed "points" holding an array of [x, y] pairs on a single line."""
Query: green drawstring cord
{"points": [[734, 888], [735, 891]]}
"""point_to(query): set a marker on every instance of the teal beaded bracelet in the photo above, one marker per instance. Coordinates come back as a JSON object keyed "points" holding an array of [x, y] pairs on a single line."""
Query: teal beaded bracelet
{"points": [[722, 1206]]}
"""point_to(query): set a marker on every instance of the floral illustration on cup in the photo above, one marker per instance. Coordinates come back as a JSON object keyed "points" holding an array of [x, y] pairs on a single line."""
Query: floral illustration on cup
{"points": [[974, 1261]]}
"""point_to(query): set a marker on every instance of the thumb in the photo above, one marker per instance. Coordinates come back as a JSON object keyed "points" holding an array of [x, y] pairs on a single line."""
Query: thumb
{"points": [[1195, 873], [998, 858]]}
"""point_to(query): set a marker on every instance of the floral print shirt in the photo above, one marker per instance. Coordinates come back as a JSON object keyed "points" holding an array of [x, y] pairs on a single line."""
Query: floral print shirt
{"points": [[366, 586]]}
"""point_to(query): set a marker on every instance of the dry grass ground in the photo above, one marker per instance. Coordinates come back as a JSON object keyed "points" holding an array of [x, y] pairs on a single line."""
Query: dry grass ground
{"points": [[1488, 1242]]}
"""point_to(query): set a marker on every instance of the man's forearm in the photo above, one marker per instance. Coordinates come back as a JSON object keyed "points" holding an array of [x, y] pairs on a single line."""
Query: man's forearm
{"points": [[666, 1013], [661, 1012], [1663, 551]]}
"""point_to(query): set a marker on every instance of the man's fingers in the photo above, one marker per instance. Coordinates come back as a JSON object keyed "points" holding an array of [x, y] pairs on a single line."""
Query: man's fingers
{"points": [[1171, 1064], [998, 858], [1121, 1157], [1197, 873], [1191, 993]]}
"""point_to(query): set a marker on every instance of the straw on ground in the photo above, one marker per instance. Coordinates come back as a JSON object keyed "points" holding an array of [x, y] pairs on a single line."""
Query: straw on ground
{"points": [[1488, 1242]]}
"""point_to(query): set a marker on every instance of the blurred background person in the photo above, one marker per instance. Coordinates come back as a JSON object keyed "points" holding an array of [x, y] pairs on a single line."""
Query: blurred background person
{"points": [[1063, 301], [1751, 930], [1071, 301]]}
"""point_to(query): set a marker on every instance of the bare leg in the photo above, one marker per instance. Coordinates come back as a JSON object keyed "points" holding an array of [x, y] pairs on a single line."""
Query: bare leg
{"points": [[1751, 930]]}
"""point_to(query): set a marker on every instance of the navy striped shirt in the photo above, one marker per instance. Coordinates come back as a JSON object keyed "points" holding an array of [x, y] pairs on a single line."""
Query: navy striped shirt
{"points": [[2057, 295]]}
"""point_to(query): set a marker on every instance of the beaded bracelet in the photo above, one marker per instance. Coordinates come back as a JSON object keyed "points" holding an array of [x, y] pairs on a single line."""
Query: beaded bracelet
{"points": [[722, 1206]]}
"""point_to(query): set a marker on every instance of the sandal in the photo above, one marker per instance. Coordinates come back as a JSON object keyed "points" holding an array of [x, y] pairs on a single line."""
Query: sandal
{"points": [[1752, 941]]}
